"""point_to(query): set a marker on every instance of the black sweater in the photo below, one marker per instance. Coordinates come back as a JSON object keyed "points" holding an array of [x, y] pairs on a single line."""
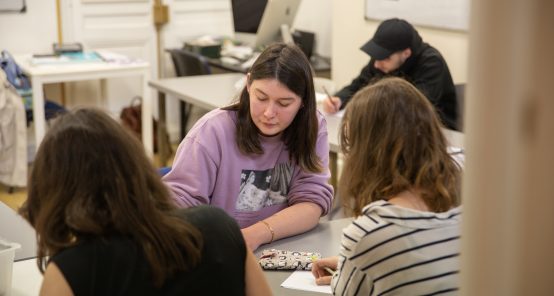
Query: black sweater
{"points": [[118, 266], [427, 70]]}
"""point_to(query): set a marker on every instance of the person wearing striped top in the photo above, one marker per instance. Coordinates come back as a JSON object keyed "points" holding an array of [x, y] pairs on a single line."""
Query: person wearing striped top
{"points": [[403, 186]]}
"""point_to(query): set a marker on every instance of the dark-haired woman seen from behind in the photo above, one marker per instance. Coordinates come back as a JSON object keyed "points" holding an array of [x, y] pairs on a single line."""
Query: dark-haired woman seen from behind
{"points": [[402, 185], [264, 159], [105, 223]]}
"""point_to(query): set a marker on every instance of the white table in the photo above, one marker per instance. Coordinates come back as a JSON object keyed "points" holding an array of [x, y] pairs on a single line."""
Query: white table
{"points": [[205, 91], [15, 229], [56, 73], [324, 238]]}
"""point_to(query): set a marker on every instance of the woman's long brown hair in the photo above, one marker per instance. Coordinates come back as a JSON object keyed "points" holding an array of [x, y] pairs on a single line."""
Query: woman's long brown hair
{"points": [[92, 179], [392, 140], [287, 64]]}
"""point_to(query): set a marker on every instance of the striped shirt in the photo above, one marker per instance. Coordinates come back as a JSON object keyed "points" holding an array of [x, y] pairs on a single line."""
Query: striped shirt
{"points": [[391, 250]]}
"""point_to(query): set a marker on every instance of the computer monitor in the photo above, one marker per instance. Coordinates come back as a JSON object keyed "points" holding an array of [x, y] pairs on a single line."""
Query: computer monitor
{"points": [[258, 22]]}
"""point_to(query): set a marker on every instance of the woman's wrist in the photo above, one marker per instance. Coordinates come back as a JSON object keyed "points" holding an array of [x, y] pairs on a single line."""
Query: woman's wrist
{"points": [[270, 229]]}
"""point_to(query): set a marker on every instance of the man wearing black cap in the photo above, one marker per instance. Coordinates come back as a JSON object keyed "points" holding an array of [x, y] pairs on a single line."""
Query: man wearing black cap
{"points": [[396, 49]]}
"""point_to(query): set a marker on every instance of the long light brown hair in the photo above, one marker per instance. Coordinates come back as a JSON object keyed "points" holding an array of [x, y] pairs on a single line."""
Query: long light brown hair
{"points": [[92, 179], [392, 140], [287, 64]]}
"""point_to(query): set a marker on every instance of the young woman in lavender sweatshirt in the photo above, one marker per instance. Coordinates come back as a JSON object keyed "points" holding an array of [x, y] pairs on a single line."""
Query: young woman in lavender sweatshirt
{"points": [[264, 159]]}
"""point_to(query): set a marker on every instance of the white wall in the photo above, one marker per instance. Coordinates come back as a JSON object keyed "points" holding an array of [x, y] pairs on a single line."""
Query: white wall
{"points": [[36, 30], [351, 30], [33, 31]]}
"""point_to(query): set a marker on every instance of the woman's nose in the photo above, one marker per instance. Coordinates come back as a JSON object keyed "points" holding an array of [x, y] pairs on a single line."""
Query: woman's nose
{"points": [[270, 111]]}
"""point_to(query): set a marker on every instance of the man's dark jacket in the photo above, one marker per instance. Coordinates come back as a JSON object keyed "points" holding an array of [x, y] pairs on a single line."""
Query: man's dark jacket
{"points": [[427, 70]]}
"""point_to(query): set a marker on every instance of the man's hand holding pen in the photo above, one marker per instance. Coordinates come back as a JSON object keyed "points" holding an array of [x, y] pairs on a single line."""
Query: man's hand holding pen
{"points": [[332, 104]]}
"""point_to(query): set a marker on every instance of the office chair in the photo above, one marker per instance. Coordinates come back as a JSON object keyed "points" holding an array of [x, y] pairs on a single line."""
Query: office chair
{"points": [[460, 94], [187, 63]]}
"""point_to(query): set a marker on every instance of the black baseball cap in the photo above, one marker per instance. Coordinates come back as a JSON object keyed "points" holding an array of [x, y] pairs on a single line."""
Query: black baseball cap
{"points": [[391, 36]]}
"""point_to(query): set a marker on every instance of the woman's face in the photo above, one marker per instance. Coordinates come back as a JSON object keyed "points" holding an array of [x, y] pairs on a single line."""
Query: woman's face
{"points": [[272, 106]]}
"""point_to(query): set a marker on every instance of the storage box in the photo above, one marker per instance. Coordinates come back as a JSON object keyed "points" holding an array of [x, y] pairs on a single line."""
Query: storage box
{"points": [[7, 254], [207, 50]]}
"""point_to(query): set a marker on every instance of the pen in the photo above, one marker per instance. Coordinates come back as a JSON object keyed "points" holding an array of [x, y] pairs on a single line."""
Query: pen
{"points": [[329, 98], [329, 270]]}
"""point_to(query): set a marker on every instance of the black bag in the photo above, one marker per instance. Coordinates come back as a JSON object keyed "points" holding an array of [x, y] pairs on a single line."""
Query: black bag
{"points": [[131, 118]]}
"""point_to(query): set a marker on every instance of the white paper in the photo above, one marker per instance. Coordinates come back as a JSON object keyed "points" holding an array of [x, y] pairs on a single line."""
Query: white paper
{"points": [[340, 113], [320, 97], [305, 281]]}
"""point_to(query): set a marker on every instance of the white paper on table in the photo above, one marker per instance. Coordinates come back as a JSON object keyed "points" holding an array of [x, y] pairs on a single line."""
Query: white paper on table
{"points": [[305, 281], [320, 97], [340, 113]]}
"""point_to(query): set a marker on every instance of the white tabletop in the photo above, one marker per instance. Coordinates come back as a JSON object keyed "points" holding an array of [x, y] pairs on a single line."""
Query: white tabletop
{"points": [[15, 229], [325, 239], [205, 91], [64, 69]]}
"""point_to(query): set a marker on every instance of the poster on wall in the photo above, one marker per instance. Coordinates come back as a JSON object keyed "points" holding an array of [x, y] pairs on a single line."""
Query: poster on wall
{"points": [[443, 14], [12, 6]]}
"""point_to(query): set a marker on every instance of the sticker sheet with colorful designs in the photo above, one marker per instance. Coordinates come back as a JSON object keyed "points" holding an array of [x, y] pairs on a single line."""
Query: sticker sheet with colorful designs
{"points": [[282, 259]]}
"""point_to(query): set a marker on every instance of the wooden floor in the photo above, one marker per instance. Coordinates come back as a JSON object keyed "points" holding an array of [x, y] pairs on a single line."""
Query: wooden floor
{"points": [[13, 200]]}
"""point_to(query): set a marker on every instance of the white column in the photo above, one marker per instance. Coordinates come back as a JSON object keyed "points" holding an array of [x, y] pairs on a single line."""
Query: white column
{"points": [[147, 106], [508, 188], [38, 110]]}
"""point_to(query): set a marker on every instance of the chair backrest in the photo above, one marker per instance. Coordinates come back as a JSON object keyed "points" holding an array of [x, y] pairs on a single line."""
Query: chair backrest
{"points": [[187, 63], [460, 95]]}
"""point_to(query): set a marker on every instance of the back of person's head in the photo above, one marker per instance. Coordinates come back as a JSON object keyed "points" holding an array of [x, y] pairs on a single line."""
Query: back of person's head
{"points": [[289, 65], [392, 139], [392, 35], [92, 179]]}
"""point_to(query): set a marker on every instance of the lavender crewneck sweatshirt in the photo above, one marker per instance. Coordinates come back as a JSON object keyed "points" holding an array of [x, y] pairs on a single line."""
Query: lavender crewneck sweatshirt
{"points": [[210, 169]]}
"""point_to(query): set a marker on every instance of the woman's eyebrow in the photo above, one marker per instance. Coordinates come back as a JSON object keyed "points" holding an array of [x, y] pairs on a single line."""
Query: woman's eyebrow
{"points": [[261, 91], [283, 98], [286, 99]]}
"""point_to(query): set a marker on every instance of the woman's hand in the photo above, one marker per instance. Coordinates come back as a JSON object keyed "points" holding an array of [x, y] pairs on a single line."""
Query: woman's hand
{"points": [[320, 270]]}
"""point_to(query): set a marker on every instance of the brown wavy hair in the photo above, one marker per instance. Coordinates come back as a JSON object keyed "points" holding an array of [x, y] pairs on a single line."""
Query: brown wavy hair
{"points": [[287, 64], [92, 179], [392, 140]]}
